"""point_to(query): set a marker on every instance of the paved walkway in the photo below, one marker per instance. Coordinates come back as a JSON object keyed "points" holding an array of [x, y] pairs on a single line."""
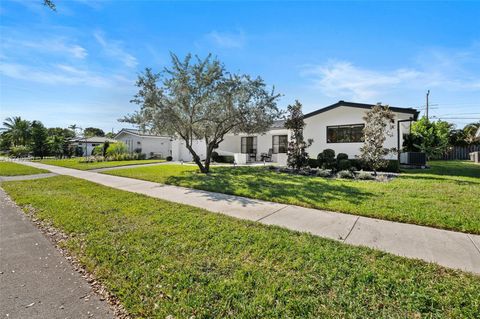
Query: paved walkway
{"points": [[36, 281], [25, 177], [447, 248]]}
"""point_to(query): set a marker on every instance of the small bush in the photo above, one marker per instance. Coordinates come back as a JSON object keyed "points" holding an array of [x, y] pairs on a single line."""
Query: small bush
{"points": [[19, 151], [328, 154], [345, 174], [215, 156], [169, 158], [117, 149], [342, 156], [320, 159], [328, 158], [365, 176], [324, 173], [344, 164], [225, 159], [98, 150], [313, 163], [138, 150], [271, 167]]}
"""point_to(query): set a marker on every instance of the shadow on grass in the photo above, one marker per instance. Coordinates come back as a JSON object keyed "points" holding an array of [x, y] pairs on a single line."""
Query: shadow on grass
{"points": [[448, 168], [270, 186]]}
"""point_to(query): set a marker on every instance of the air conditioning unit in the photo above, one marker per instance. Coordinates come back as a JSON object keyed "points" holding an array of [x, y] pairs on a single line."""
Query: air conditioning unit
{"points": [[413, 158]]}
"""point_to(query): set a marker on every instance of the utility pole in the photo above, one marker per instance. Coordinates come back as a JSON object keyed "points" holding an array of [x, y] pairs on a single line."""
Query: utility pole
{"points": [[428, 93]]}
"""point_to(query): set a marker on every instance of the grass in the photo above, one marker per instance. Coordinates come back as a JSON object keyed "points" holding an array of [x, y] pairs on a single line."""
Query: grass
{"points": [[75, 163], [15, 169], [165, 259], [445, 196]]}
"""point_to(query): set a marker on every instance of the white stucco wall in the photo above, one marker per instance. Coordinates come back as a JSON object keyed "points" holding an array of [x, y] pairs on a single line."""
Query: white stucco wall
{"points": [[232, 143], [148, 144], [316, 128], [181, 153]]}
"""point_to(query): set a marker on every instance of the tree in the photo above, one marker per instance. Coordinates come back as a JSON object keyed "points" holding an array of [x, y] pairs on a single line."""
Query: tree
{"points": [[201, 100], [433, 136], [469, 131], [297, 156], [110, 135], [17, 130], [64, 135], [39, 135], [379, 123], [93, 131], [56, 143]]}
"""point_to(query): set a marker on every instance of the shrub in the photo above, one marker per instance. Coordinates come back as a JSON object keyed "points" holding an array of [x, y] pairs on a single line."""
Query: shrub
{"points": [[169, 158], [117, 149], [215, 157], [225, 159], [344, 164], [365, 176], [313, 163], [138, 150], [98, 150], [324, 173], [342, 156], [19, 151], [272, 167], [345, 174], [320, 159], [328, 157], [328, 154]]}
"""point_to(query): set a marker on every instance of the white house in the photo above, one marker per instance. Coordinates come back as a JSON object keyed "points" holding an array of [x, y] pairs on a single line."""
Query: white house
{"points": [[149, 144], [338, 127], [88, 144]]}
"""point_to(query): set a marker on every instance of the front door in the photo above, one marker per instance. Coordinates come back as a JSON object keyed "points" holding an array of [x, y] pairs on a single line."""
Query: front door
{"points": [[249, 146]]}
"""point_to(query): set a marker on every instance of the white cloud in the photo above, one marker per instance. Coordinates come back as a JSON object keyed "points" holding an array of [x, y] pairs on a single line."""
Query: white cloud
{"points": [[444, 71], [114, 49], [227, 40], [56, 45], [60, 74]]}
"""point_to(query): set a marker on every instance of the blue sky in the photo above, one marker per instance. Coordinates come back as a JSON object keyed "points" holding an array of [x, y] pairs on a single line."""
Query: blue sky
{"points": [[79, 64]]}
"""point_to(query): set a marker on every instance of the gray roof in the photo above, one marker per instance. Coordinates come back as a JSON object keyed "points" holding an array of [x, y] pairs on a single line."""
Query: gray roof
{"points": [[94, 139], [138, 133]]}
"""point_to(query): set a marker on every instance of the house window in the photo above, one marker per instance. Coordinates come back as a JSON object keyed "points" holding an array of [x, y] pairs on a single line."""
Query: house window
{"points": [[279, 144], [352, 133], [249, 145]]}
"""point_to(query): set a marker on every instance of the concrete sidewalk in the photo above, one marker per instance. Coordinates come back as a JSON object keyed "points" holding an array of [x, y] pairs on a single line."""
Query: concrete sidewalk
{"points": [[36, 281], [447, 248]]}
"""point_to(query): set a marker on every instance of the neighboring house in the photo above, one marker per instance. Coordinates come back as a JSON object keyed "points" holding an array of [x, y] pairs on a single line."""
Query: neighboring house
{"points": [[143, 142], [89, 143]]}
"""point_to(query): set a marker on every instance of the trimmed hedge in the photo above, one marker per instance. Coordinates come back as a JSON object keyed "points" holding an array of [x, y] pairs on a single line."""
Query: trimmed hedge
{"points": [[225, 159], [393, 166]]}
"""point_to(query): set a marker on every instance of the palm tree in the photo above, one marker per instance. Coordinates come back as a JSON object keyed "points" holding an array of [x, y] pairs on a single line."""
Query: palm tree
{"points": [[470, 131], [17, 130], [56, 145]]}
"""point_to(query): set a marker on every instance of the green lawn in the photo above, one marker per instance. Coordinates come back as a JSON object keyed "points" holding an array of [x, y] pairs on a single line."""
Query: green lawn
{"points": [[15, 169], [75, 163], [165, 259], [445, 196]]}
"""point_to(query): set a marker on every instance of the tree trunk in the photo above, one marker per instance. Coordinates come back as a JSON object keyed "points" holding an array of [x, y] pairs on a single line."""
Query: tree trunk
{"points": [[196, 158]]}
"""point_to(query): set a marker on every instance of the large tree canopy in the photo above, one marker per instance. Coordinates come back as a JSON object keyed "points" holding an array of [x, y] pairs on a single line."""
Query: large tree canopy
{"points": [[198, 99]]}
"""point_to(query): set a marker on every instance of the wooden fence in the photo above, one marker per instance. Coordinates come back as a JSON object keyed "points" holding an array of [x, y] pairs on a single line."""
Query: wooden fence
{"points": [[459, 152]]}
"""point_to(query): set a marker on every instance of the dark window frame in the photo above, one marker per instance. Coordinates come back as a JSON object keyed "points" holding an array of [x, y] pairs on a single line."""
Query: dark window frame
{"points": [[284, 147], [253, 149], [345, 126]]}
